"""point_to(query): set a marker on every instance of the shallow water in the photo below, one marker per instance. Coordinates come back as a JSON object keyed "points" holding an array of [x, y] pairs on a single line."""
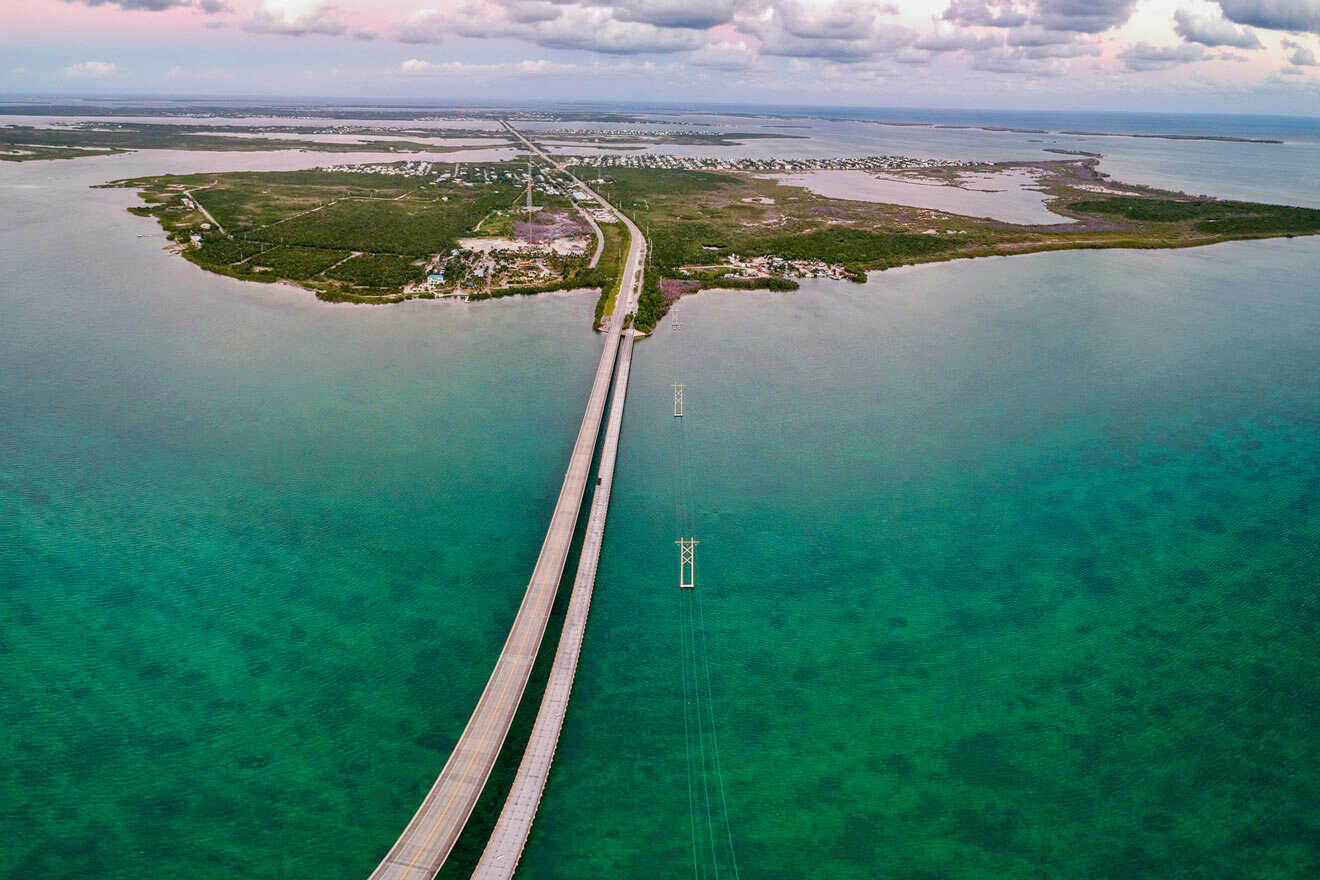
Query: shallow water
{"points": [[1007, 569], [1009, 196], [1007, 566]]}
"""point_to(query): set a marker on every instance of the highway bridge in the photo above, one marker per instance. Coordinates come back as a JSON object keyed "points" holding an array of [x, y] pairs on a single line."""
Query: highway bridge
{"points": [[429, 837]]}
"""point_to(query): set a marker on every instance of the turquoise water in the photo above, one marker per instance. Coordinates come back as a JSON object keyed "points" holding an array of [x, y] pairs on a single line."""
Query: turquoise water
{"points": [[1008, 570], [1008, 567]]}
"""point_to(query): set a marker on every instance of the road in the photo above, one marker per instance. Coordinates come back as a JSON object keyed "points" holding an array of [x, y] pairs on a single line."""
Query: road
{"points": [[503, 850], [429, 837], [205, 213]]}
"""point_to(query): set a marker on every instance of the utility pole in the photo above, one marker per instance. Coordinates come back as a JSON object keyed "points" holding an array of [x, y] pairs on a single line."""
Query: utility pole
{"points": [[529, 186], [687, 566]]}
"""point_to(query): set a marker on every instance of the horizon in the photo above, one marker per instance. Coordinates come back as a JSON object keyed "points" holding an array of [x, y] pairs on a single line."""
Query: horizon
{"points": [[1225, 57], [640, 105]]}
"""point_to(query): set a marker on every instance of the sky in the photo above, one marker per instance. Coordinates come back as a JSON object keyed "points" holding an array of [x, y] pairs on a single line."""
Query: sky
{"points": [[1236, 56]]}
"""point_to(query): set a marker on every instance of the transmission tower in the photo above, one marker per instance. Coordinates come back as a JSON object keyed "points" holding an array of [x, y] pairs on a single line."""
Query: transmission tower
{"points": [[687, 566], [529, 187]]}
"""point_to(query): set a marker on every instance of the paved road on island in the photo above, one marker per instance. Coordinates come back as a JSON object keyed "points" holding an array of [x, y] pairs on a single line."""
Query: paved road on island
{"points": [[205, 213], [428, 838]]}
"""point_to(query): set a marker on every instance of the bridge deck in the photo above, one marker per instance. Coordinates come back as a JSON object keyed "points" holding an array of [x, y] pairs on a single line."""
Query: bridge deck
{"points": [[429, 837], [515, 823]]}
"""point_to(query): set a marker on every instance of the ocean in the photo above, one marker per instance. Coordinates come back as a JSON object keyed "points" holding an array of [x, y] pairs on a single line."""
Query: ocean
{"points": [[1007, 566]]}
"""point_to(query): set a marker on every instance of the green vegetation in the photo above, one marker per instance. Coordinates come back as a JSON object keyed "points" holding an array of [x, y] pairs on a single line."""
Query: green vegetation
{"points": [[377, 270], [697, 220], [16, 151], [610, 268], [1223, 218], [302, 226], [360, 237], [848, 246], [651, 304]]}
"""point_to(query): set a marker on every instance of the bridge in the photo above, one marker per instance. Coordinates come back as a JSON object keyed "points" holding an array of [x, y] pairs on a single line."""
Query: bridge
{"points": [[428, 838]]}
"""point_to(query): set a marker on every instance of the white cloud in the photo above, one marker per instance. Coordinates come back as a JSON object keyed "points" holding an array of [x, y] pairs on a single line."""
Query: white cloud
{"points": [[91, 70], [1213, 30], [294, 20]]}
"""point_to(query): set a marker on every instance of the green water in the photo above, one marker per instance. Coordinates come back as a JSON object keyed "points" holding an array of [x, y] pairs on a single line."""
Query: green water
{"points": [[1008, 568]]}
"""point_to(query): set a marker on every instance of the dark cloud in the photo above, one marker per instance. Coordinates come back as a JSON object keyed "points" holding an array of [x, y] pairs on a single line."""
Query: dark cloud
{"points": [[1143, 56], [1082, 16], [677, 13], [1213, 30], [1074, 16], [1279, 15], [985, 13], [147, 5], [531, 11], [844, 32], [210, 7]]}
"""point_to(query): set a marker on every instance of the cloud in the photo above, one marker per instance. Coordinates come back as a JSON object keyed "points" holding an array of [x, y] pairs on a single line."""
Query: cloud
{"points": [[843, 32], [958, 40], [530, 11], [1060, 50], [1083, 16], [677, 13], [1279, 15], [1074, 16], [1302, 57], [1033, 35], [464, 69], [1145, 57], [277, 18], [725, 55], [91, 70], [985, 13], [596, 30], [1213, 30], [1015, 61], [210, 7]]}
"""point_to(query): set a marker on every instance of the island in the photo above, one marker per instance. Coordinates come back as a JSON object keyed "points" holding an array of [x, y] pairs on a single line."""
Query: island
{"points": [[389, 232]]}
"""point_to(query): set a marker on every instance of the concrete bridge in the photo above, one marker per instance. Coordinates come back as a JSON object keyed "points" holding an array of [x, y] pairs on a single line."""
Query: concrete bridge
{"points": [[429, 837]]}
